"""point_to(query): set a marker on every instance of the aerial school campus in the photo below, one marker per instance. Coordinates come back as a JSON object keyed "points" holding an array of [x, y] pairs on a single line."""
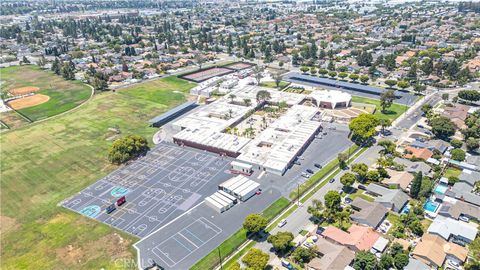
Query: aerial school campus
{"points": [[264, 141]]}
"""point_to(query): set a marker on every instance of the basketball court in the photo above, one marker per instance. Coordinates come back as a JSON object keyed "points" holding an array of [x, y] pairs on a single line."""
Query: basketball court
{"points": [[158, 187]]}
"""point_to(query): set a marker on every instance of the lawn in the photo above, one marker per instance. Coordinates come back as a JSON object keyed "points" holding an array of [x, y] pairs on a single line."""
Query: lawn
{"points": [[360, 193], [272, 84], [391, 113], [64, 95], [50, 161], [452, 172]]}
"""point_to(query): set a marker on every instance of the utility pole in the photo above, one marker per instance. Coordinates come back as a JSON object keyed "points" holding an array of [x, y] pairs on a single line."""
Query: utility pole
{"points": [[298, 194], [220, 257]]}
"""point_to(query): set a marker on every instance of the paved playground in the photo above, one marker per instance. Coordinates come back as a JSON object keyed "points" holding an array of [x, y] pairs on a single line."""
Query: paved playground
{"points": [[158, 187]]}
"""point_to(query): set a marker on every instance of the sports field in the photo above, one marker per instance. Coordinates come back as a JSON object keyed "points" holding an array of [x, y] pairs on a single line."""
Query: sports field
{"points": [[62, 95], [50, 161], [391, 113]]}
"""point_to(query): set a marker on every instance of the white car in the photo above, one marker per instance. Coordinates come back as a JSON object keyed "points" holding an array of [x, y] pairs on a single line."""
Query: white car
{"points": [[464, 218], [282, 223]]}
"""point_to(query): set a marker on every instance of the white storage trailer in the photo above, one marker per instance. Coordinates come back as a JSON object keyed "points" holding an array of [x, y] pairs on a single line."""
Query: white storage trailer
{"points": [[222, 200], [214, 205], [223, 193], [248, 191]]}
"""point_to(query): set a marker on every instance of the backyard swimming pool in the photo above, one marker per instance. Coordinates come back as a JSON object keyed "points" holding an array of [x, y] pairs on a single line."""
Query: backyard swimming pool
{"points": [[431, 206], [441, 189]]}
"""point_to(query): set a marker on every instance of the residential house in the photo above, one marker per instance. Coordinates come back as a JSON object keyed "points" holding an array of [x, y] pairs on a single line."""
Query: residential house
{"points": [[452, 229], [458, 113], [433, 250], [412, 166], [332, 256], [356, 238], [414, 264], [422, 153], [394, 199], [398, 179], [458, 209], [368, 213]]}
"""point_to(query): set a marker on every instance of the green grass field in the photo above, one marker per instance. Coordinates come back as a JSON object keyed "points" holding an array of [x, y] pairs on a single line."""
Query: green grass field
{"points": [[64, 95], [272, 84], [47, 162], [391, 113]]}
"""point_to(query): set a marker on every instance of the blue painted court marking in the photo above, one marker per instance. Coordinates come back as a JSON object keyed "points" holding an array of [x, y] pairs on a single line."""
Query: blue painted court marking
{"points": [[91, 211], [119, 191]]}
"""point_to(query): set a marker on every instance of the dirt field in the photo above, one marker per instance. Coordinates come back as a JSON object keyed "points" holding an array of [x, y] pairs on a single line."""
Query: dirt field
{"points": [[23, 90], [26, 102]]}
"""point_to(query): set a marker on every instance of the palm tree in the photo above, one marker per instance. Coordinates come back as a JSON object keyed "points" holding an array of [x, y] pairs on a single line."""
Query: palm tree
{"points": [[230, 113], [247, 102], [232, 97]]}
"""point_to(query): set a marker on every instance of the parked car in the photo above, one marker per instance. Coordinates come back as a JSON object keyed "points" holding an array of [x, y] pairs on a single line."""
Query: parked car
{"points": [[286, 264], [317, 165], [282, 223], [464, 218], [309, 171], [362, 187], [420, 126], [297, 162], [306, 175], [332, 180]]}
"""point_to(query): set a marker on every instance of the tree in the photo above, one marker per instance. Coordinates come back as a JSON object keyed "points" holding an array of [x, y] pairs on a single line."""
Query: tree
{"points": [[281, 241], [354, 77], [348, 179], [313, 71], [25, 60], [364, 78], [99, 84], [332, 74], [386, 99], [400, 260], [419, 88], [263, 95], [304, 255], [426, 109], [232, 97], [445, 96], [199, 59], [442, 127], [456, 143], [323, 71], [234, 266], [255, 223], [304, 69], [255, 259], [361, 169], [426, 188], [390, 83], [332, 200], [373, 176], [363, 127], [386, 262], [342, 160], [388, 146], [342, 75], [470, 95], [316, 209], [403, 84], [56, 66], [365, 261], [257, 72], [472, 144], [416, 227], [416, 185], [458, 154], [278, 79], [384, 123], [127, 148], [247, 102]]}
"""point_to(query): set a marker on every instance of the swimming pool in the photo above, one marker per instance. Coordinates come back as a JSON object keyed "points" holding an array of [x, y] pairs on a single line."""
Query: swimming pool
{"points": [[431, 206], [441, 189]]}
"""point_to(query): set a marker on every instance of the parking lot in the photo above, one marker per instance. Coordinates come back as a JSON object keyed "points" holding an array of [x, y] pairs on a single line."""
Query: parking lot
{"points": [[158, 187]]}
